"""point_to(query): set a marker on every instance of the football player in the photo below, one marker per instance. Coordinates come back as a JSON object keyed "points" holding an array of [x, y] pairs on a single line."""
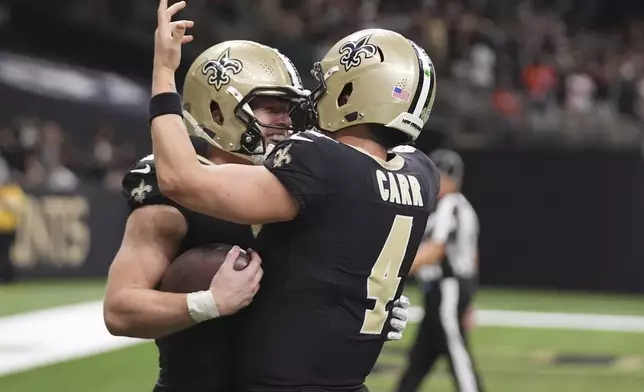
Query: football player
{"points": [[343, 214], [195, 354], [447, 264]]}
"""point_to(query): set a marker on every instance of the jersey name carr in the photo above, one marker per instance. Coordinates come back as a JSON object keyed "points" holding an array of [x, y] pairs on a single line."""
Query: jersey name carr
{"points": [[399, 188]]}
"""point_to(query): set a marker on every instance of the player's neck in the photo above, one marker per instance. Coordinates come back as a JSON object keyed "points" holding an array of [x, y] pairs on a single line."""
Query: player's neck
{"points": [[447, 192], [359, 137], [447, 186]]}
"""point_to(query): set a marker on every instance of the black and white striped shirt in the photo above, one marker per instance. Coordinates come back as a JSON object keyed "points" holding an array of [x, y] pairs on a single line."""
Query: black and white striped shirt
{"points": [[455, 224]]}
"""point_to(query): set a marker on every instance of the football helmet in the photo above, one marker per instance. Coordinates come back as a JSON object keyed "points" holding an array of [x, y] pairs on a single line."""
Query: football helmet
{"points": [[374, 76], [229, 76]]}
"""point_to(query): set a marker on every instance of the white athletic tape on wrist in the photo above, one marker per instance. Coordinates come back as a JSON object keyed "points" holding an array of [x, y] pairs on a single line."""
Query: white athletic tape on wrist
{"points": [[202, 306]]}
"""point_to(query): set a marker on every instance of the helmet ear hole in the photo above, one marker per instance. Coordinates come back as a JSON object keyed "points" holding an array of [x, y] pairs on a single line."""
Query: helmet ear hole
{"points": [[345, 94], [215, 112]]}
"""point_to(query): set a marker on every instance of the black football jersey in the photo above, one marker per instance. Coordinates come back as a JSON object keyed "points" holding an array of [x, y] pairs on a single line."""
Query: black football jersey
{"points": [[332, 274], [198, 358]]}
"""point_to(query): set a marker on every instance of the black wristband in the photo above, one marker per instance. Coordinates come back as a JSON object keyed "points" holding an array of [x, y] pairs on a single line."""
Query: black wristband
{"points": [[164, 103]]}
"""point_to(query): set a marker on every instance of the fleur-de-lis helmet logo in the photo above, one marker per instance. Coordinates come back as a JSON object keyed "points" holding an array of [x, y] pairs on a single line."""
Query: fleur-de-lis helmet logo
{"points": [[218, 71], [353, 52]]}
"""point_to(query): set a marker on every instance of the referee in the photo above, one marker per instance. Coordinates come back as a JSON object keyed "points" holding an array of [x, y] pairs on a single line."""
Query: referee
{"points": [[446, 264]]}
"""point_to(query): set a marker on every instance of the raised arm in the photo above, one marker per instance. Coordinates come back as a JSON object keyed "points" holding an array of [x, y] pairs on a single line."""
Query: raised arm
{"points": [[238, 193]]}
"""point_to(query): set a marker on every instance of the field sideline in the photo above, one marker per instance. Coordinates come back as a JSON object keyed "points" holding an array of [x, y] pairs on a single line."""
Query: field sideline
{"points": [[42, 337], [515, 348]]}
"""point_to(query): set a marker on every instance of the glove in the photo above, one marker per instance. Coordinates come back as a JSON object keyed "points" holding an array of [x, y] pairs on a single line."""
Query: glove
{"points": [[398, 322]]}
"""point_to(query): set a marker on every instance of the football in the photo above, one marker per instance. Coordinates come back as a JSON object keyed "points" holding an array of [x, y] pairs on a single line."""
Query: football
{"points": [[194, 269]]}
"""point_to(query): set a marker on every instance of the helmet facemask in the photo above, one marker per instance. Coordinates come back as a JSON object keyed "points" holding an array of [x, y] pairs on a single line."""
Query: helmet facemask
{"points": [[309, 106], [254, 139], [253, 144]]}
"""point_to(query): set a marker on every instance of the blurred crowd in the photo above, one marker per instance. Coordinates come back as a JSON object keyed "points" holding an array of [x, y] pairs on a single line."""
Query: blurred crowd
{"points": [[520, 71], [554, 69], [36, 153]]}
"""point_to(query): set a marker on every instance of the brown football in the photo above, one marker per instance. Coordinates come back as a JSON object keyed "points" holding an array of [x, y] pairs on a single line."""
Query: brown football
{"points": [[194, 269]]}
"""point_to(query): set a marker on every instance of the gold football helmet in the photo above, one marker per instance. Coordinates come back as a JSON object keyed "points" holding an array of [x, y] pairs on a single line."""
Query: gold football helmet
{"points": [[374, 76], [228, 76]]}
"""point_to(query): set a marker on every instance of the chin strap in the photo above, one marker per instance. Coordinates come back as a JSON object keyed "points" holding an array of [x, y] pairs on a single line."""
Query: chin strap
{"points": [[258, 159], [269, 148]]}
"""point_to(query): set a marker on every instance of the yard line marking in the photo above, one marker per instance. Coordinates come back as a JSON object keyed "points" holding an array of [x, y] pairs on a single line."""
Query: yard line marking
{"points": [[550, 320], [45, 337]]}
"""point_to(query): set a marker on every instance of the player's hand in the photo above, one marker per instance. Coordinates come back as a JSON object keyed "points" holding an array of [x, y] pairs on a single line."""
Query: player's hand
{"points": [[169, 36], [400, 314], [469, 319], [233, 289]]}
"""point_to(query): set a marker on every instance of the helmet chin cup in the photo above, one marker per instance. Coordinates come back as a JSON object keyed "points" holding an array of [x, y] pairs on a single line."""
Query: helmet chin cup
{"points": [[258, 159], [251, 140]]}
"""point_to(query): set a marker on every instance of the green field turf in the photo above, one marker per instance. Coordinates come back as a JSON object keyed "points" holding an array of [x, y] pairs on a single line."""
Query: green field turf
{"points": [[510, 359], [35, 295]]}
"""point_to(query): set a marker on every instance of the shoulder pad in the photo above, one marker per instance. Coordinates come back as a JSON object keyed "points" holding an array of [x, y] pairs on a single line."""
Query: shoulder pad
{"points": [[298, 162], [302, 148], [311, 136], [404, 149], [412, 154], [302, 144], [140, 185]]}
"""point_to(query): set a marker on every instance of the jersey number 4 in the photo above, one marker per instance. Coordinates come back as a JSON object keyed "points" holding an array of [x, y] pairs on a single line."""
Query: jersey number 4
{"points": [[383, 282]]}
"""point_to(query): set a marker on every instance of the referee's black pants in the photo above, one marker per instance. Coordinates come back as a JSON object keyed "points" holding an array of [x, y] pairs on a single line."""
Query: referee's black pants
{"points": [[441, 333], [7, 272]]}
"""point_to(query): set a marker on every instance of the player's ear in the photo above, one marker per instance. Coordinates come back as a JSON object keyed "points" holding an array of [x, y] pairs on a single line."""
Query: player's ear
{"points": [[343, 98], [216, 113]]}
